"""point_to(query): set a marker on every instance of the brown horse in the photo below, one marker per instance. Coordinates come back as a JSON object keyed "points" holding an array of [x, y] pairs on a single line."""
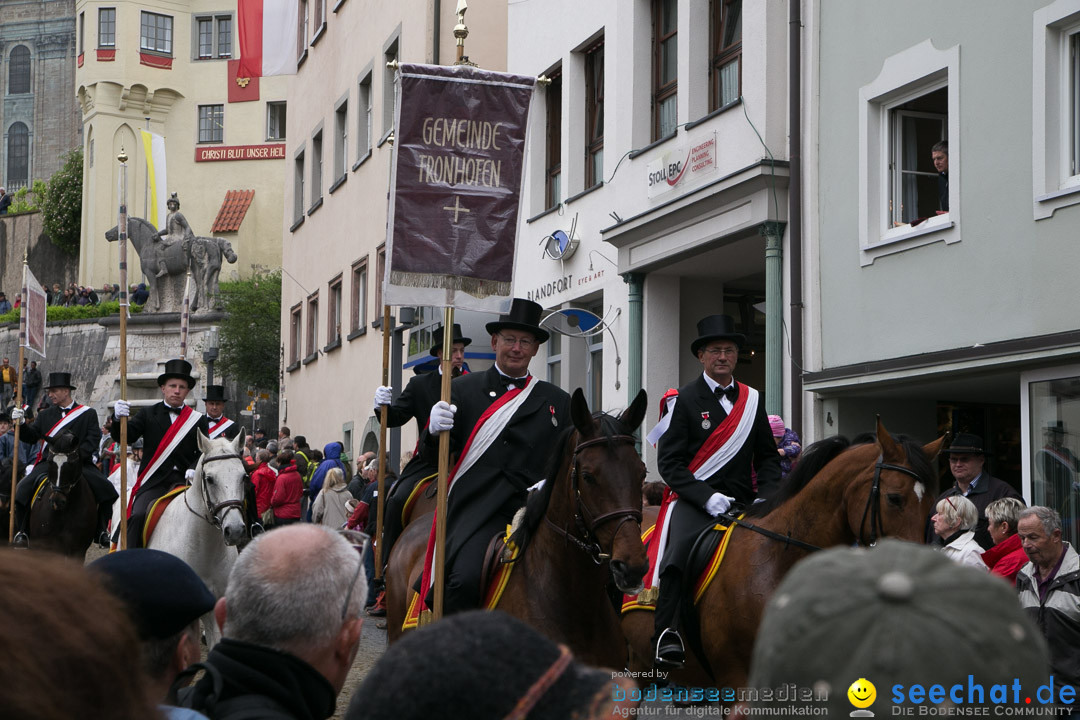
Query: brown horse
{"points": [[580, 532], [64, 517], [837, 495]]}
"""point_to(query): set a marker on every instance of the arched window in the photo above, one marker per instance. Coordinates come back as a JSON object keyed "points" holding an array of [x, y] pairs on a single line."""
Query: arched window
{"points": [[18, 153], [19, 71]]}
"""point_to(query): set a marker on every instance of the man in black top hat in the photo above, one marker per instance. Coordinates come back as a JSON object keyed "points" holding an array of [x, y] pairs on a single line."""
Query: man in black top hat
{"points": [[172, 449], [64, 415], [493, 477], [967, 462], [717, 432], [166, 600], [415, 401]]}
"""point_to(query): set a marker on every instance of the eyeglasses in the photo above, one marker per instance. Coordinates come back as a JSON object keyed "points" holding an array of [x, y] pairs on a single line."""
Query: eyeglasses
{"points": [[358, 540], [722, 351], [523, 343]]}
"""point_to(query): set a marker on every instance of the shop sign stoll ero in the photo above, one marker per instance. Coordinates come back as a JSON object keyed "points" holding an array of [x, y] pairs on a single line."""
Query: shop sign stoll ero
{"points": [[274, 151], [681, 166]]}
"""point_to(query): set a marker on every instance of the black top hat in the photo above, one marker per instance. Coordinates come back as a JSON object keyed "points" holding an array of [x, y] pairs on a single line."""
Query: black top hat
{"points": [[215, 393], [1057, 426], [177, 369], [437, 338], [716, 327], [60, 379], [524, 315], [966, 443]]}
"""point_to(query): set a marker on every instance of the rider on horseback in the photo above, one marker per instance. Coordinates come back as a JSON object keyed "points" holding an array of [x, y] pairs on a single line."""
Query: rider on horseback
{"points": [[63, 415], [717, 430], [176, 230], [507, 450]]}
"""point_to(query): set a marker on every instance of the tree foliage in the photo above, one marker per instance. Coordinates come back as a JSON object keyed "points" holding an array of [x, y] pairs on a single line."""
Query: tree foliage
{"points": [[250, 333], [61, 205]]}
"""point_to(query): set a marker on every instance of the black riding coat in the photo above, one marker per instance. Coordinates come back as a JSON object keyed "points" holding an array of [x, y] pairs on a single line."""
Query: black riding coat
{"points": [[151, 424], [230, 432], [678, 446], [87, 432], [515, 461]]}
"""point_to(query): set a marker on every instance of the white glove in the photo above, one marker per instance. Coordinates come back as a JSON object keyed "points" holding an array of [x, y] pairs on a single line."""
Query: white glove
{"points": [[189, 475], [718, 503], [442, 417], [17, 416], [384, 395], [121, 408]]}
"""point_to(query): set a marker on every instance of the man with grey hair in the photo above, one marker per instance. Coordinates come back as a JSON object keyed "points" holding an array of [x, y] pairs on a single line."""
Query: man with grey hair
{"points": [[1049, 590], [291, 624]]}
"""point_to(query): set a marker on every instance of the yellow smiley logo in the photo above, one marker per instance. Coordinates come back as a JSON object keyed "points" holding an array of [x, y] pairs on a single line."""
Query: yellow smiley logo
{"points": [[862, 693]]}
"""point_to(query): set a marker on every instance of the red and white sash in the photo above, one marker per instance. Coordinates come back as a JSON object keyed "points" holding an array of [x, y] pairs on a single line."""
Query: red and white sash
{"points": [[75, 412], [223, 423], [490, 425], [716, 452], [175, 435]]}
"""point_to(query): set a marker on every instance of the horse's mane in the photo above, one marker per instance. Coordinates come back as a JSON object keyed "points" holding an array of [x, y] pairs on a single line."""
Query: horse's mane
{"points": [[816, 456], [537, 504], [813, 458]]}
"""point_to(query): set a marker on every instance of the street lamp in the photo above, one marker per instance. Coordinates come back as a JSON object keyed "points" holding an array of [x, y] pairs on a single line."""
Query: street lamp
{"points": [[210, 354]]}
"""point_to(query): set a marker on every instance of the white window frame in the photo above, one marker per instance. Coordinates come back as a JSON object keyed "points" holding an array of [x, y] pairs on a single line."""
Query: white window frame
{"points": [[211, 114], [364, 117], [904, 76], [100, 37], [270, 106], [896, 174], [341, 139], [1053, 119], [215, 36]]}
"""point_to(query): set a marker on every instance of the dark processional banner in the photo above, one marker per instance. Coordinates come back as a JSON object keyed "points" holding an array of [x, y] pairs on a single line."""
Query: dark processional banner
{"points": [[455, 189]]}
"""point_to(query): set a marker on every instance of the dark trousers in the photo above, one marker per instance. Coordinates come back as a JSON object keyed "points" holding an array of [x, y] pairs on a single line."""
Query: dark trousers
{"points": [[149, 493], [104, 493], [667, 604], [395, 506], [464, 571]]}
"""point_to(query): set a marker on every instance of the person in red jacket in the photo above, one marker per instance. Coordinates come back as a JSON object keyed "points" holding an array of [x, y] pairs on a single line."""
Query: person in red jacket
{"points": [[288, 489], [1007, 555], [264, 479]]}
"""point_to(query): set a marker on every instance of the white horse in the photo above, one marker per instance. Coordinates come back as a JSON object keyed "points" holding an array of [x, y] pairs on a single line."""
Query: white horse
{"points": [[205, 523]]}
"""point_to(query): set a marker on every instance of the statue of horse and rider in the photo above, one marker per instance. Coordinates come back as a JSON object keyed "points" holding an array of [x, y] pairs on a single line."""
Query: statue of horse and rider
{"points": [[166, 256]]}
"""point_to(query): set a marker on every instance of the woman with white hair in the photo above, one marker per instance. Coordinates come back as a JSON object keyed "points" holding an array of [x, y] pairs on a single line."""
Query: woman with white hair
{"points": [[329, 508], [954, 522]]}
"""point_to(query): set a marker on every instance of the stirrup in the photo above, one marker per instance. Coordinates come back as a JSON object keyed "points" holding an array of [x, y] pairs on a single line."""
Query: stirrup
{"points": [[256, 529], [20, 540], [675, 655]]}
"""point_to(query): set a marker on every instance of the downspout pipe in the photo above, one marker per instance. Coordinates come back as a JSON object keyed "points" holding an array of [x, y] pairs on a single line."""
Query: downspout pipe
{"points": [[795, 209]]}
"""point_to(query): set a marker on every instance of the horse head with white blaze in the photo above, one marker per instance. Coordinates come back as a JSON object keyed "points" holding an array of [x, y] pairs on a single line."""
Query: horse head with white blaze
{"points": [[218, 486]]}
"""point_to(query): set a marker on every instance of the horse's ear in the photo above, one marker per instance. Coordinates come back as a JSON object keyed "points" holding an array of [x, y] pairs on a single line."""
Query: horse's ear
{"points": [[932, 449], [634, 414], [579, 413], [204, 442], [890, 450], [238, 441]]}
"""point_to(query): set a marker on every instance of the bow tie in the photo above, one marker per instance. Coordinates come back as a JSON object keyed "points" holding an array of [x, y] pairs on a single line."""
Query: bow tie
{"points": [[174, 411], [732, 393], [67, 409], [516, 382]]}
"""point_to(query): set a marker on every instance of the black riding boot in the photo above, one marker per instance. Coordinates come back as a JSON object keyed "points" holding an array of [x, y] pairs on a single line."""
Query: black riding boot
{"points": [[101, 536], [670, 653], [20, 540]]}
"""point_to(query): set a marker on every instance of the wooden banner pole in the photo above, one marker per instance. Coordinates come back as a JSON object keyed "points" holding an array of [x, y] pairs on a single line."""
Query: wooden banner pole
{"points": [[381, 501], [122, 232], [444, 467]]}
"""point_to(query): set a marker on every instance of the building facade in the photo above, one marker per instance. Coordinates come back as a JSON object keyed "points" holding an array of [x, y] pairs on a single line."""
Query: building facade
{"points": [[171, 68], [39, 118], [946, 303], [659, 151], [338, 153]]}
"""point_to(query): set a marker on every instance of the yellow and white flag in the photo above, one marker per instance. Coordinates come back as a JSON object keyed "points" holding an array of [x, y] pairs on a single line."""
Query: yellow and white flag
{"points": [[154, 146]]}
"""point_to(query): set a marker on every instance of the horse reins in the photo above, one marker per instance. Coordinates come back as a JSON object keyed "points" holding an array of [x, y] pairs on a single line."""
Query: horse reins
{"points": [[873, 509], [584, 520], [213, 518]]}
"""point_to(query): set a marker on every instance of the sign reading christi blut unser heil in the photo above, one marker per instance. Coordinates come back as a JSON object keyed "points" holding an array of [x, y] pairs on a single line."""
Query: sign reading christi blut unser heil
{"points": [[456, 186]]}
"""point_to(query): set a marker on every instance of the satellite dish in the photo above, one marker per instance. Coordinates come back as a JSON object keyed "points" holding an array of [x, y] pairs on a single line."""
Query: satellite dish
{"points": [[574, 322], [560, 245]]}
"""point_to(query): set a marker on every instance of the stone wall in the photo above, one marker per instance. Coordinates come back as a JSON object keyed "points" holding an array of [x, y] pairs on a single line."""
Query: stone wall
{"points": [[19, 233]]}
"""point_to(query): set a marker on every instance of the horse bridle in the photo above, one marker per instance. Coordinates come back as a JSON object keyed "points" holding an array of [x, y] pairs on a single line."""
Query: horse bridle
{"points": [[873, 509], [585, 520], [213, 518]]}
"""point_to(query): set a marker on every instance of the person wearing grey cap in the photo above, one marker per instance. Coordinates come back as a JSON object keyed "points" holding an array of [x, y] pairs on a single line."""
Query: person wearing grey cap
{"points": [[893, 628], [166, 600], [967, 463]]}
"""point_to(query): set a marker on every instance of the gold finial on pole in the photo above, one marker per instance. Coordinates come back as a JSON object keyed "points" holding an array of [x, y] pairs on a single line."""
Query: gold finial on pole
{"points": [[461, 31], [123, 156]]}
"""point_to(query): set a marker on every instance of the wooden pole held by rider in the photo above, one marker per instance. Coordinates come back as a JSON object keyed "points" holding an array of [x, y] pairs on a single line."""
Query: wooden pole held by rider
{"points": [[122, 233], [18, 403], [387, 331], [444, 467]]}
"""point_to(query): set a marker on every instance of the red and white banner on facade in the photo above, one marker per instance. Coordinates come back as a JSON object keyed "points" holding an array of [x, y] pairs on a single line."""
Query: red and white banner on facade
{"points": [[32, 317]]}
